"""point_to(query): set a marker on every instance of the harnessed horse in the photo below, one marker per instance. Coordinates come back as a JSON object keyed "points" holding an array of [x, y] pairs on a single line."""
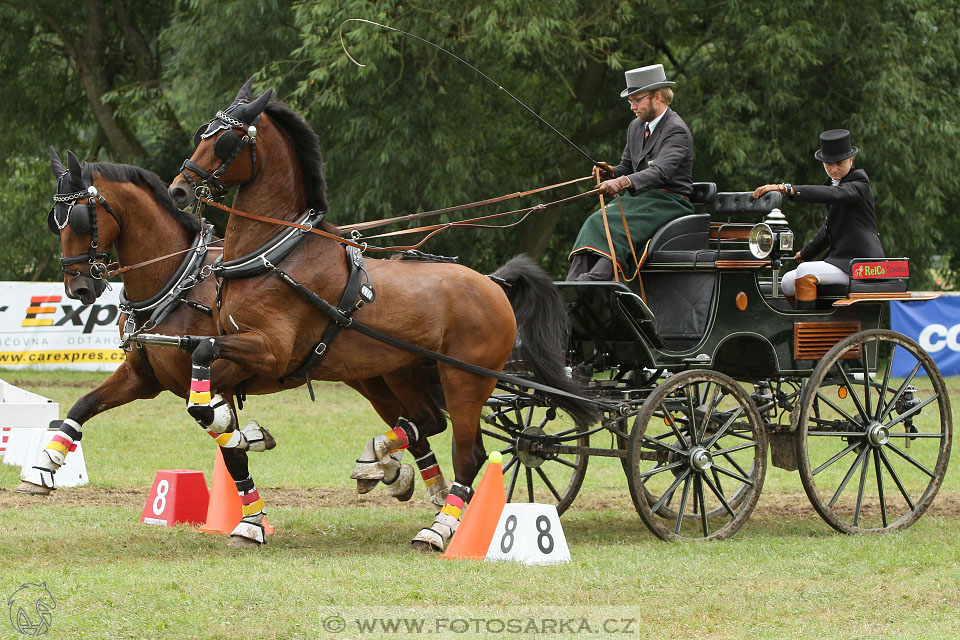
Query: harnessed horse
{"points": [[100, 205], [272, 319]]}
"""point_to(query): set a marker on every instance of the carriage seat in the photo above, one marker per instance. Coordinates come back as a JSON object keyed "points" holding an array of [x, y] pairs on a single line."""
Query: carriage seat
{"points": [[680, 240], [867, 278]]}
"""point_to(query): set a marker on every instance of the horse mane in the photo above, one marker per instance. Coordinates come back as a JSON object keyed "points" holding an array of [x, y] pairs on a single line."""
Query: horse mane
{"points": [[140, 176], [306, 144]]}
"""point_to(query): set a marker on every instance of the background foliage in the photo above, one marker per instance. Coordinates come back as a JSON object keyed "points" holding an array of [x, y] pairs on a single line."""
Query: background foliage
{"points": [[414, 129]]}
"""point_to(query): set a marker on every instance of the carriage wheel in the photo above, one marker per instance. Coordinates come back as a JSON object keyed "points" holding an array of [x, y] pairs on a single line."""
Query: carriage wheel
{"points": [[697, 456], [874, 433], [534, 470]]}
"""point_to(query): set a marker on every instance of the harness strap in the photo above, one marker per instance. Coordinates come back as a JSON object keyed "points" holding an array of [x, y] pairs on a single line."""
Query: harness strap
{"points": [[606, 230]]}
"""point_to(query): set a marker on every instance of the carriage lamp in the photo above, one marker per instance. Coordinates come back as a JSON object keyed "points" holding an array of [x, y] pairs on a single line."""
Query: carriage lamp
{"points": [[761, 241]]}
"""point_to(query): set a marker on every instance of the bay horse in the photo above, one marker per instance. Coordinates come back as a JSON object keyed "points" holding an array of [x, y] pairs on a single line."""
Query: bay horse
{"points": [[101, 205], [273, 156]]}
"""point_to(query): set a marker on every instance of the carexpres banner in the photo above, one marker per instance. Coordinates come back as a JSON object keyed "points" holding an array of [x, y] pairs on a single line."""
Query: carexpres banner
{"points": [[935, 325], [41, 327]]}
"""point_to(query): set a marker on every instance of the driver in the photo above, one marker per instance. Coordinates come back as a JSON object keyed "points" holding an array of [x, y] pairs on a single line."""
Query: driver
{"points": [[849, 228], [657, 172]]}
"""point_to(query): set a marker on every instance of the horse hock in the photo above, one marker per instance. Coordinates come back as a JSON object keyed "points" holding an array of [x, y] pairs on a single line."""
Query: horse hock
{"points": [[38, 479], [436, 536]]}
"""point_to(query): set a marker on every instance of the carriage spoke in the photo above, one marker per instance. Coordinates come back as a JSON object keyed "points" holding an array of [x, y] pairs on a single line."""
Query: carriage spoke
{"points": [[668, 417], [852, 389], [738, 447], [863, 482], [656, 470], [903, 386], [866, 382], [896, 479], [883, 504], [903, 455], [720, 497], [716, 479], [530, 484], [514, 460], [835, 458], [496, 436], [846, 415], [653, 443], [668, 495], [735, 464], [513, 479], [694, 437], [708, 415], [886, 381], [723, 429], [683, 503], [698, 488], [565, 463], [846, 478], [741, 478], [543, 477]]}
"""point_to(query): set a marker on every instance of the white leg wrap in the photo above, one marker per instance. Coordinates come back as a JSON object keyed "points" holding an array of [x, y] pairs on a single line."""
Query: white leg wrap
{"points": [[222, 415], [254, 438], [249, 530], [370, 463], [439, 533], [51, 459], [39, 476], [438, 492]]}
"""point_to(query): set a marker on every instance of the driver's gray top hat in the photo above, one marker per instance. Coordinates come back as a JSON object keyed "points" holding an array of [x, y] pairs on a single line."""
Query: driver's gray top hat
{"points": [[835, 146], [645, 79]]}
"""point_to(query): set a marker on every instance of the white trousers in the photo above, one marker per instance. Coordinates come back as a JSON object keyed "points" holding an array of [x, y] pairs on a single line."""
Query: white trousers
{"points": [[825, 273]]}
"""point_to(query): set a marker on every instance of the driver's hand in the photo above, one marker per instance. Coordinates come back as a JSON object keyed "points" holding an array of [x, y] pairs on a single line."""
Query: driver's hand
{"points": [[798, 257], [767, 188], [603, 170]]}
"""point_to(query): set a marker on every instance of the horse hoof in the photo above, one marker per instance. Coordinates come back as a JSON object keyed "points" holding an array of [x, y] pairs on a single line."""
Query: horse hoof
{"points": [[368, 471], [29, 488], [366, 486], [427, 540], [402, 487], [268, 440], [240, 542]]}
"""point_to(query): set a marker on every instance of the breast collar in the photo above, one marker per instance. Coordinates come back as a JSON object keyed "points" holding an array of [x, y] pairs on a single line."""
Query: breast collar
{"points": [[272, 253]]}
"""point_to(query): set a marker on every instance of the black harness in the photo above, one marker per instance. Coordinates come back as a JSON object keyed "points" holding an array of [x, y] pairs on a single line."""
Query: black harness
{"points": [[227, 147], [82, 219]]}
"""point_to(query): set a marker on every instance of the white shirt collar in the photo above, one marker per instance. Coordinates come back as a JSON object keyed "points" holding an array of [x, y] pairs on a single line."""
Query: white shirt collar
{"points": [[653, 123]]}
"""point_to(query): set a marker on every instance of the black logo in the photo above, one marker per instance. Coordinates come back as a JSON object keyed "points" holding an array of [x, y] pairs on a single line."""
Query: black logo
{"points": [[30, 608]]}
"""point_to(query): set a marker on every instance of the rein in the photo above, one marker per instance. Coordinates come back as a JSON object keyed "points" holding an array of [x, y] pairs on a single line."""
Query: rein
{"points": [[433, 229]]}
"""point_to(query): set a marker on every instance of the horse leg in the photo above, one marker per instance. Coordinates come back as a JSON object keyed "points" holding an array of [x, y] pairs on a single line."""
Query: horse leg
{"points": [[249, 531], [389, 408], [215, 413], [466, 394], [126, 384]]}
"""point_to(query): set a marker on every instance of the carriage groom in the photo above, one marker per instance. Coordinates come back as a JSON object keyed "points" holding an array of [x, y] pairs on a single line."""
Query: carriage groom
{"points": [[656, 172]]}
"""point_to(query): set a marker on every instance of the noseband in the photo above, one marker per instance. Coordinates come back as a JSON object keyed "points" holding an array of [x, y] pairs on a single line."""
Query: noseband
{"points": [[82, 219], [227, 147]]}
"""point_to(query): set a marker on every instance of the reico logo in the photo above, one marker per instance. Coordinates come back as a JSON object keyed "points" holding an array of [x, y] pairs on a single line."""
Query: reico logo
{"points": [[936, 337], [43, 310]]}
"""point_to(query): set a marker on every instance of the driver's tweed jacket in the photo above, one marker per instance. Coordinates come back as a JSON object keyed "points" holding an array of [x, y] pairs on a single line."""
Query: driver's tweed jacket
{"points": [[660, 169]]}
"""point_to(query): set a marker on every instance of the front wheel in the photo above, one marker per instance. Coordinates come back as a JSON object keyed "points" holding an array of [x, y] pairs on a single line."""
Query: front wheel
{"points": [[697, 457], [874, 433]]}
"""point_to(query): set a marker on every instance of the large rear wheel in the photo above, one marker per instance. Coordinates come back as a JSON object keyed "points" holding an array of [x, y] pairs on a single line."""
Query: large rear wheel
{"points": [[874, 433]]}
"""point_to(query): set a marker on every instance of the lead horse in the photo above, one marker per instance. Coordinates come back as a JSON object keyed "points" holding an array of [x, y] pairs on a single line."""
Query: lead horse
{"points": [[102, 205], [271, 322]]}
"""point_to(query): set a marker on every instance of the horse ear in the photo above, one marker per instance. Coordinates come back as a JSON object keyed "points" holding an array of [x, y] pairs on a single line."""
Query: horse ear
{"points": [[249, 112], [76, 172], [55, 165], [244, 93]]}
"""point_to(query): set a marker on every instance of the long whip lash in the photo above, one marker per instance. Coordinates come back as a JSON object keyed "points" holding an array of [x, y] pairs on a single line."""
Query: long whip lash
{"points": [[458, 58]]}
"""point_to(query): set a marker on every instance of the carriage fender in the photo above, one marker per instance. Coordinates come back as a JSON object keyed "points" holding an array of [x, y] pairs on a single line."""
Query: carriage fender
{"points": [[748, 353]]}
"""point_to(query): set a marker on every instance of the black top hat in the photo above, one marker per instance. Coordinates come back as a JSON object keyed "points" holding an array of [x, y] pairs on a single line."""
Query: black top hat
{"points": [[835, 146]]}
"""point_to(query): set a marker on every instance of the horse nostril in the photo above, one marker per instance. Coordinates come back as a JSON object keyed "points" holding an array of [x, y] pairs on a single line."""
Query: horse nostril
{"points": [[179, 195]]}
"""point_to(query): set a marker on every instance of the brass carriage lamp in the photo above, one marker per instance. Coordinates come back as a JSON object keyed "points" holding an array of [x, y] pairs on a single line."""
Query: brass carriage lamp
{"points": [[772, 238]]}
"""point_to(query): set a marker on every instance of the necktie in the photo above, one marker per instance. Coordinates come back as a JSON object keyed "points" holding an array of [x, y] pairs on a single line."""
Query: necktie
{"points": [[646, 131]]}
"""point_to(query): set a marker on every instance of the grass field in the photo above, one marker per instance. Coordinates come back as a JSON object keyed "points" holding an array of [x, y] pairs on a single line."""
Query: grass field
{"points": [[338, 557]]}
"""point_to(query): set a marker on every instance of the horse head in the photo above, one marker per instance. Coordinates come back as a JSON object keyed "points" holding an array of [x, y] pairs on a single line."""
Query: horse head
{"points": [[216, 163], [82, 232]]}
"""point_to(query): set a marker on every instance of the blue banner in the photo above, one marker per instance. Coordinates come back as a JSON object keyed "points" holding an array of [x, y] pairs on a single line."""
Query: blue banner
{"points": [[935, 325]]}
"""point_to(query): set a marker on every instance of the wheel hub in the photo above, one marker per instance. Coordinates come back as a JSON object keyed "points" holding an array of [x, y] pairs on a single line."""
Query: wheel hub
{"points": [[530, 451], [700, 459], [877, 434]]}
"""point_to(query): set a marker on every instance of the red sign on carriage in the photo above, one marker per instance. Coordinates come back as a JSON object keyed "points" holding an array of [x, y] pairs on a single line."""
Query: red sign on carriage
{"points": [[883, 269]]}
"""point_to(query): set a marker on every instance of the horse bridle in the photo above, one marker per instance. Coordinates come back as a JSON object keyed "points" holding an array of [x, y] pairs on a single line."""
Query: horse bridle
{"points": [[82, 219], [227, 147]]}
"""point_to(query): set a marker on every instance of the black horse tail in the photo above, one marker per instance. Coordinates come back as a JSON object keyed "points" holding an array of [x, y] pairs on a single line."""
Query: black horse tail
{"points": [[543, 331]]}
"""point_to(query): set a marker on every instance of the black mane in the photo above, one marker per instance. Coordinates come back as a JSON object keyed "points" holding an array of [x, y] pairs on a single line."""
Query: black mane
{"points": [[139, 176], [307, 146]]}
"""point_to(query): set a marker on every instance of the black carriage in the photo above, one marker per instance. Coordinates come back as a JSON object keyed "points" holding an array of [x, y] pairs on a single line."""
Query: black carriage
{"points": [[703, 365]]}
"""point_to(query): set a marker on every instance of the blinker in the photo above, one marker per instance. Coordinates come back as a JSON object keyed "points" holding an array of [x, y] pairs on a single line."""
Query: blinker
{"points": [[226, 145], [77, 215]]}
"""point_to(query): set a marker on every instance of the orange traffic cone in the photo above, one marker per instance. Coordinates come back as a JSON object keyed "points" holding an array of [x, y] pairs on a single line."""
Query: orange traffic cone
{"points": [[225, 511], [476, 529]]}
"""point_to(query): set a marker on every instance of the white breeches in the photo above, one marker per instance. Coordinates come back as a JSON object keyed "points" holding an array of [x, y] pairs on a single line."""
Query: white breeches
{"points": [[825, 273]]}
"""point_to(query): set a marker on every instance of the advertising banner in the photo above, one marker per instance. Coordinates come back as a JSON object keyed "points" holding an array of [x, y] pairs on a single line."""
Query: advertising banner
{"points": [[40, 327], [935, 325]]}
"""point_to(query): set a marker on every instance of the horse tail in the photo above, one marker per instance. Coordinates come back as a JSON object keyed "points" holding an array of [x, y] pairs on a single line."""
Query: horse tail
{"points": [[543, 331]]}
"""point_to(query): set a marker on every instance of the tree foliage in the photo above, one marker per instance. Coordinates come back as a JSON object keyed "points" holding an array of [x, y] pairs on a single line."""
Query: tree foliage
{"points": [[415, 129]]}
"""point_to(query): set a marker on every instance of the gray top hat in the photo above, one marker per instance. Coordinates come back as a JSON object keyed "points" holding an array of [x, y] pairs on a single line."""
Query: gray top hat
{"points": [[835, 146], [645, 79]]}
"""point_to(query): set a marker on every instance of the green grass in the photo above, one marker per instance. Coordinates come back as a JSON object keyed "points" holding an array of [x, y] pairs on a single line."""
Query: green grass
{"points": [[786, 574]]}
